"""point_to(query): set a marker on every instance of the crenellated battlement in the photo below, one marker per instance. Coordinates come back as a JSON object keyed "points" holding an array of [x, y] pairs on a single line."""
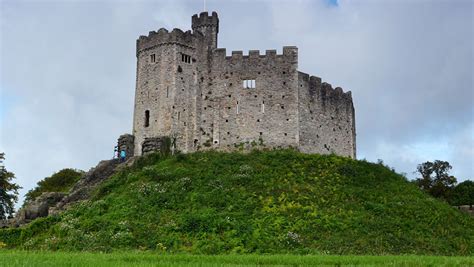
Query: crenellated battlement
{"points": [[164, 37], [324, 90], [204, 20], [290, 53], [334, 93]]}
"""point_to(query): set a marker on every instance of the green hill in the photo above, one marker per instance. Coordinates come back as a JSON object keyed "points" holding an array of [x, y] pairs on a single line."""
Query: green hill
{"points": [[264, 202]]}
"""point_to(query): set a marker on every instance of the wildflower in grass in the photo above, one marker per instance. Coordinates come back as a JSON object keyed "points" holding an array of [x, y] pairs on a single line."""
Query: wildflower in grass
{"points": [[29, 244], [123, 224], [245, 171], [122, 238], [245, 168], [160, 247], [150, 188], [293, 238], [171, 224], [216, 184]]}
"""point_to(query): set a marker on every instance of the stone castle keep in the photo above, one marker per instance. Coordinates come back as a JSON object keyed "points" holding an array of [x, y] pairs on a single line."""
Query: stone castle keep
{"points": [[191, 91]]}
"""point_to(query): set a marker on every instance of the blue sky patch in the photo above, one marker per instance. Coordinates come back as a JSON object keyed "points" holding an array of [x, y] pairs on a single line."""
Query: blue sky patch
{"points": [[331, 2]]}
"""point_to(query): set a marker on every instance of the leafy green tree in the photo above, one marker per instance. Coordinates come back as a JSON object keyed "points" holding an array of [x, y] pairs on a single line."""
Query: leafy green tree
{"points": [[60, 181], [463, 194], [435, 179], [8, 191]]}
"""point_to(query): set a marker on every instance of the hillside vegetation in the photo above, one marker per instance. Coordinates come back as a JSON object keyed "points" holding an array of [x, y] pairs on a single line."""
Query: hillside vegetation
{"points": [[262, 202], [60, 181]]}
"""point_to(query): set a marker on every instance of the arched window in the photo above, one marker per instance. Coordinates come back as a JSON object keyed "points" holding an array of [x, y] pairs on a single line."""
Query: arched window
{"points": [[147, 118]]}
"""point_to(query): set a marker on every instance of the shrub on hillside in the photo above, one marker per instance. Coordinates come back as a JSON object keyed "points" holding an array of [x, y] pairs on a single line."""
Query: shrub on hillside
{"points": [[463, 194], [61, 181]]}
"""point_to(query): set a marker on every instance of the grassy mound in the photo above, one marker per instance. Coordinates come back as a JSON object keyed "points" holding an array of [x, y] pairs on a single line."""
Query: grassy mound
{"points": [[264, 202]]}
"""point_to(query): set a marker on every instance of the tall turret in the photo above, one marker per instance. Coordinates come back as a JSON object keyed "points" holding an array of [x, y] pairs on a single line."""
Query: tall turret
{"points": [[208, 26], [166, 72]]}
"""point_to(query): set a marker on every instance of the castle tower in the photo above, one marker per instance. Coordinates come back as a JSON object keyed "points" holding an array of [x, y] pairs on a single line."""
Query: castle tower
{"points": [[208, 26], [166, 72]]}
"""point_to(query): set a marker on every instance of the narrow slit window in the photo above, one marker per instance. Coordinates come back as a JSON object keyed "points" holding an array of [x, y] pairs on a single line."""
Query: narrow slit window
{"points": [[237, 107], [248, 84], [147, 118], [263, 106], [152, 58], [185, 58], [167, 92]]}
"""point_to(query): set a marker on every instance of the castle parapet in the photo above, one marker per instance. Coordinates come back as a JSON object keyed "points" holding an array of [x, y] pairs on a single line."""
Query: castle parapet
{"points": [[323, 90], [204, 20], [336, 93], [290, 54], [163, 37], [254, 53], [220, 53], [237, 55], [271, 53]]}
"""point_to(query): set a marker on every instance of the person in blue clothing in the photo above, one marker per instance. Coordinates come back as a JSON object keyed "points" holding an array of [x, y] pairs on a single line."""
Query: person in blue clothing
{"points": [[123, 155]]}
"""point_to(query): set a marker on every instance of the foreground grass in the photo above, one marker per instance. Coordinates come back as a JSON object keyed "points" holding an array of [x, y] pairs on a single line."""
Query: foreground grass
{"points": [[44, 258]]}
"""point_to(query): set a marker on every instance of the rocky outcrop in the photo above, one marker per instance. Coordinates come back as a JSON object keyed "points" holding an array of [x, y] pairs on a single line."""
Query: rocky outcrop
{"points": [[467, 209], [37, 208], [6, 223], [53, 202], [84, 187]]}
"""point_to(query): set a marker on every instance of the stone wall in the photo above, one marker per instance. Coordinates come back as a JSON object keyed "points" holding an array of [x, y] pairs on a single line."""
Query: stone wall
{"points": [[232, 115], [155, 144], [327, 123], [126, 142]]}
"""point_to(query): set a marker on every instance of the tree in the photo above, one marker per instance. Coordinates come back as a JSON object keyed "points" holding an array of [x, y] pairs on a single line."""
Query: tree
{"points": [[8, 191], [463, 194], [435, 179]]}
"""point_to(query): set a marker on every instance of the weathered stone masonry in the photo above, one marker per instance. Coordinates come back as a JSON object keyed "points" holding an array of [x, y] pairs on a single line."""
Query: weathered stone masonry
{"points": [[190, 90]]}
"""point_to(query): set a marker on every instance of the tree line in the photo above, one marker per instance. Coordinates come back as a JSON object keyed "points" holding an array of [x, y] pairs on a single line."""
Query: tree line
{"points": [[436, 181], [8, 191]]}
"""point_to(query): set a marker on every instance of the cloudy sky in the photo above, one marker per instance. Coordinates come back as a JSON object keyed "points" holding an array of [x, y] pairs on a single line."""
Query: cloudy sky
{"points": [[67, 72]]}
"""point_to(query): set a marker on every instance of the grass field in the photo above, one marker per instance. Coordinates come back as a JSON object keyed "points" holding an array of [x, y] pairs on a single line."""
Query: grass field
{"points": [[48, 258]]}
